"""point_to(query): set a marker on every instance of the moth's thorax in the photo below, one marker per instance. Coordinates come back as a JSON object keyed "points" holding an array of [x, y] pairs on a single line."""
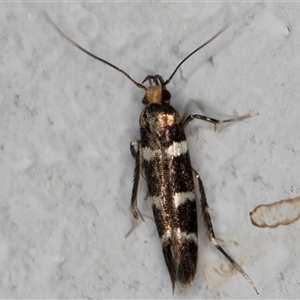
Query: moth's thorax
{"points": [[157, 117]]}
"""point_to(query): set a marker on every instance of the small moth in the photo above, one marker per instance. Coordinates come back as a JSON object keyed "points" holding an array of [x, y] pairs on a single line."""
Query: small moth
{"points": [[162, 156]]}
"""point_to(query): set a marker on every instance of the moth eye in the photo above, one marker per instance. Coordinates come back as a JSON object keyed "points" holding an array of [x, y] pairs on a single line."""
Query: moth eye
{"points": [[144, 101], [166, 96]]}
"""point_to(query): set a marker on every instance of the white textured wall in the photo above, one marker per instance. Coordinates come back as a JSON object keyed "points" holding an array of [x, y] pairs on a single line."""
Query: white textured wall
{"points": [[65, 126]]}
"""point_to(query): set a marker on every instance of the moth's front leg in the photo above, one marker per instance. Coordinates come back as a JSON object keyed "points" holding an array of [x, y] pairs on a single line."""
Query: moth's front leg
{"points": [[136, 151], [216, 122]]}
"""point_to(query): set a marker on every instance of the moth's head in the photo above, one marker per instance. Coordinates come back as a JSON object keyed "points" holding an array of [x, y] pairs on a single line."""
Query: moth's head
{"points": [[156, 93]]}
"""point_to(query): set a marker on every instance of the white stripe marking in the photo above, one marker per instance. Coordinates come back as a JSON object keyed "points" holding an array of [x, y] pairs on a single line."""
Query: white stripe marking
{"points": [[165, 238], [176, 149], [181, 198], [178, 235], [156, 201], [148, 153]]}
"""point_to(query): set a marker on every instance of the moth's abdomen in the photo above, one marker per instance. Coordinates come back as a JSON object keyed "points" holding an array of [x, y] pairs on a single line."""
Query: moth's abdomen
{"points": [[169, 176]]}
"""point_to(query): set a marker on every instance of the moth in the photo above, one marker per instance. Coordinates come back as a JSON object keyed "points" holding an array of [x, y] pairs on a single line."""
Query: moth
{"points": [[162, 156]]}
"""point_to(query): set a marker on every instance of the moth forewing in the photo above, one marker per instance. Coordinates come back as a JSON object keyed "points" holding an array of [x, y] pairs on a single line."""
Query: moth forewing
{"points": [[162, 156]]}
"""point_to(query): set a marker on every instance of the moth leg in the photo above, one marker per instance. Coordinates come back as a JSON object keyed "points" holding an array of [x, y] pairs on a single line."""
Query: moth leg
{"points": [[135, 148], [133, 227], [216, 122], [210, 230]]}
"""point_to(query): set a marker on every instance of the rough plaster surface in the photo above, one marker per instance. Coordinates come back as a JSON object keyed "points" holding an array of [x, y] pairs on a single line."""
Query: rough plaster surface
{"points": [[65, 126]]}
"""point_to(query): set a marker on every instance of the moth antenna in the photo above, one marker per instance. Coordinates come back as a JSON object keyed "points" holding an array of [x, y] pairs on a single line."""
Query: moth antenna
{"points": [[206, 43], [91, 54]]}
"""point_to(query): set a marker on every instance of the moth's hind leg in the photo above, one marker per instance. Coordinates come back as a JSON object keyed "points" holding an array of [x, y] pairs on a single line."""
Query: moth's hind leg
{"points": [[210, 230]]}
